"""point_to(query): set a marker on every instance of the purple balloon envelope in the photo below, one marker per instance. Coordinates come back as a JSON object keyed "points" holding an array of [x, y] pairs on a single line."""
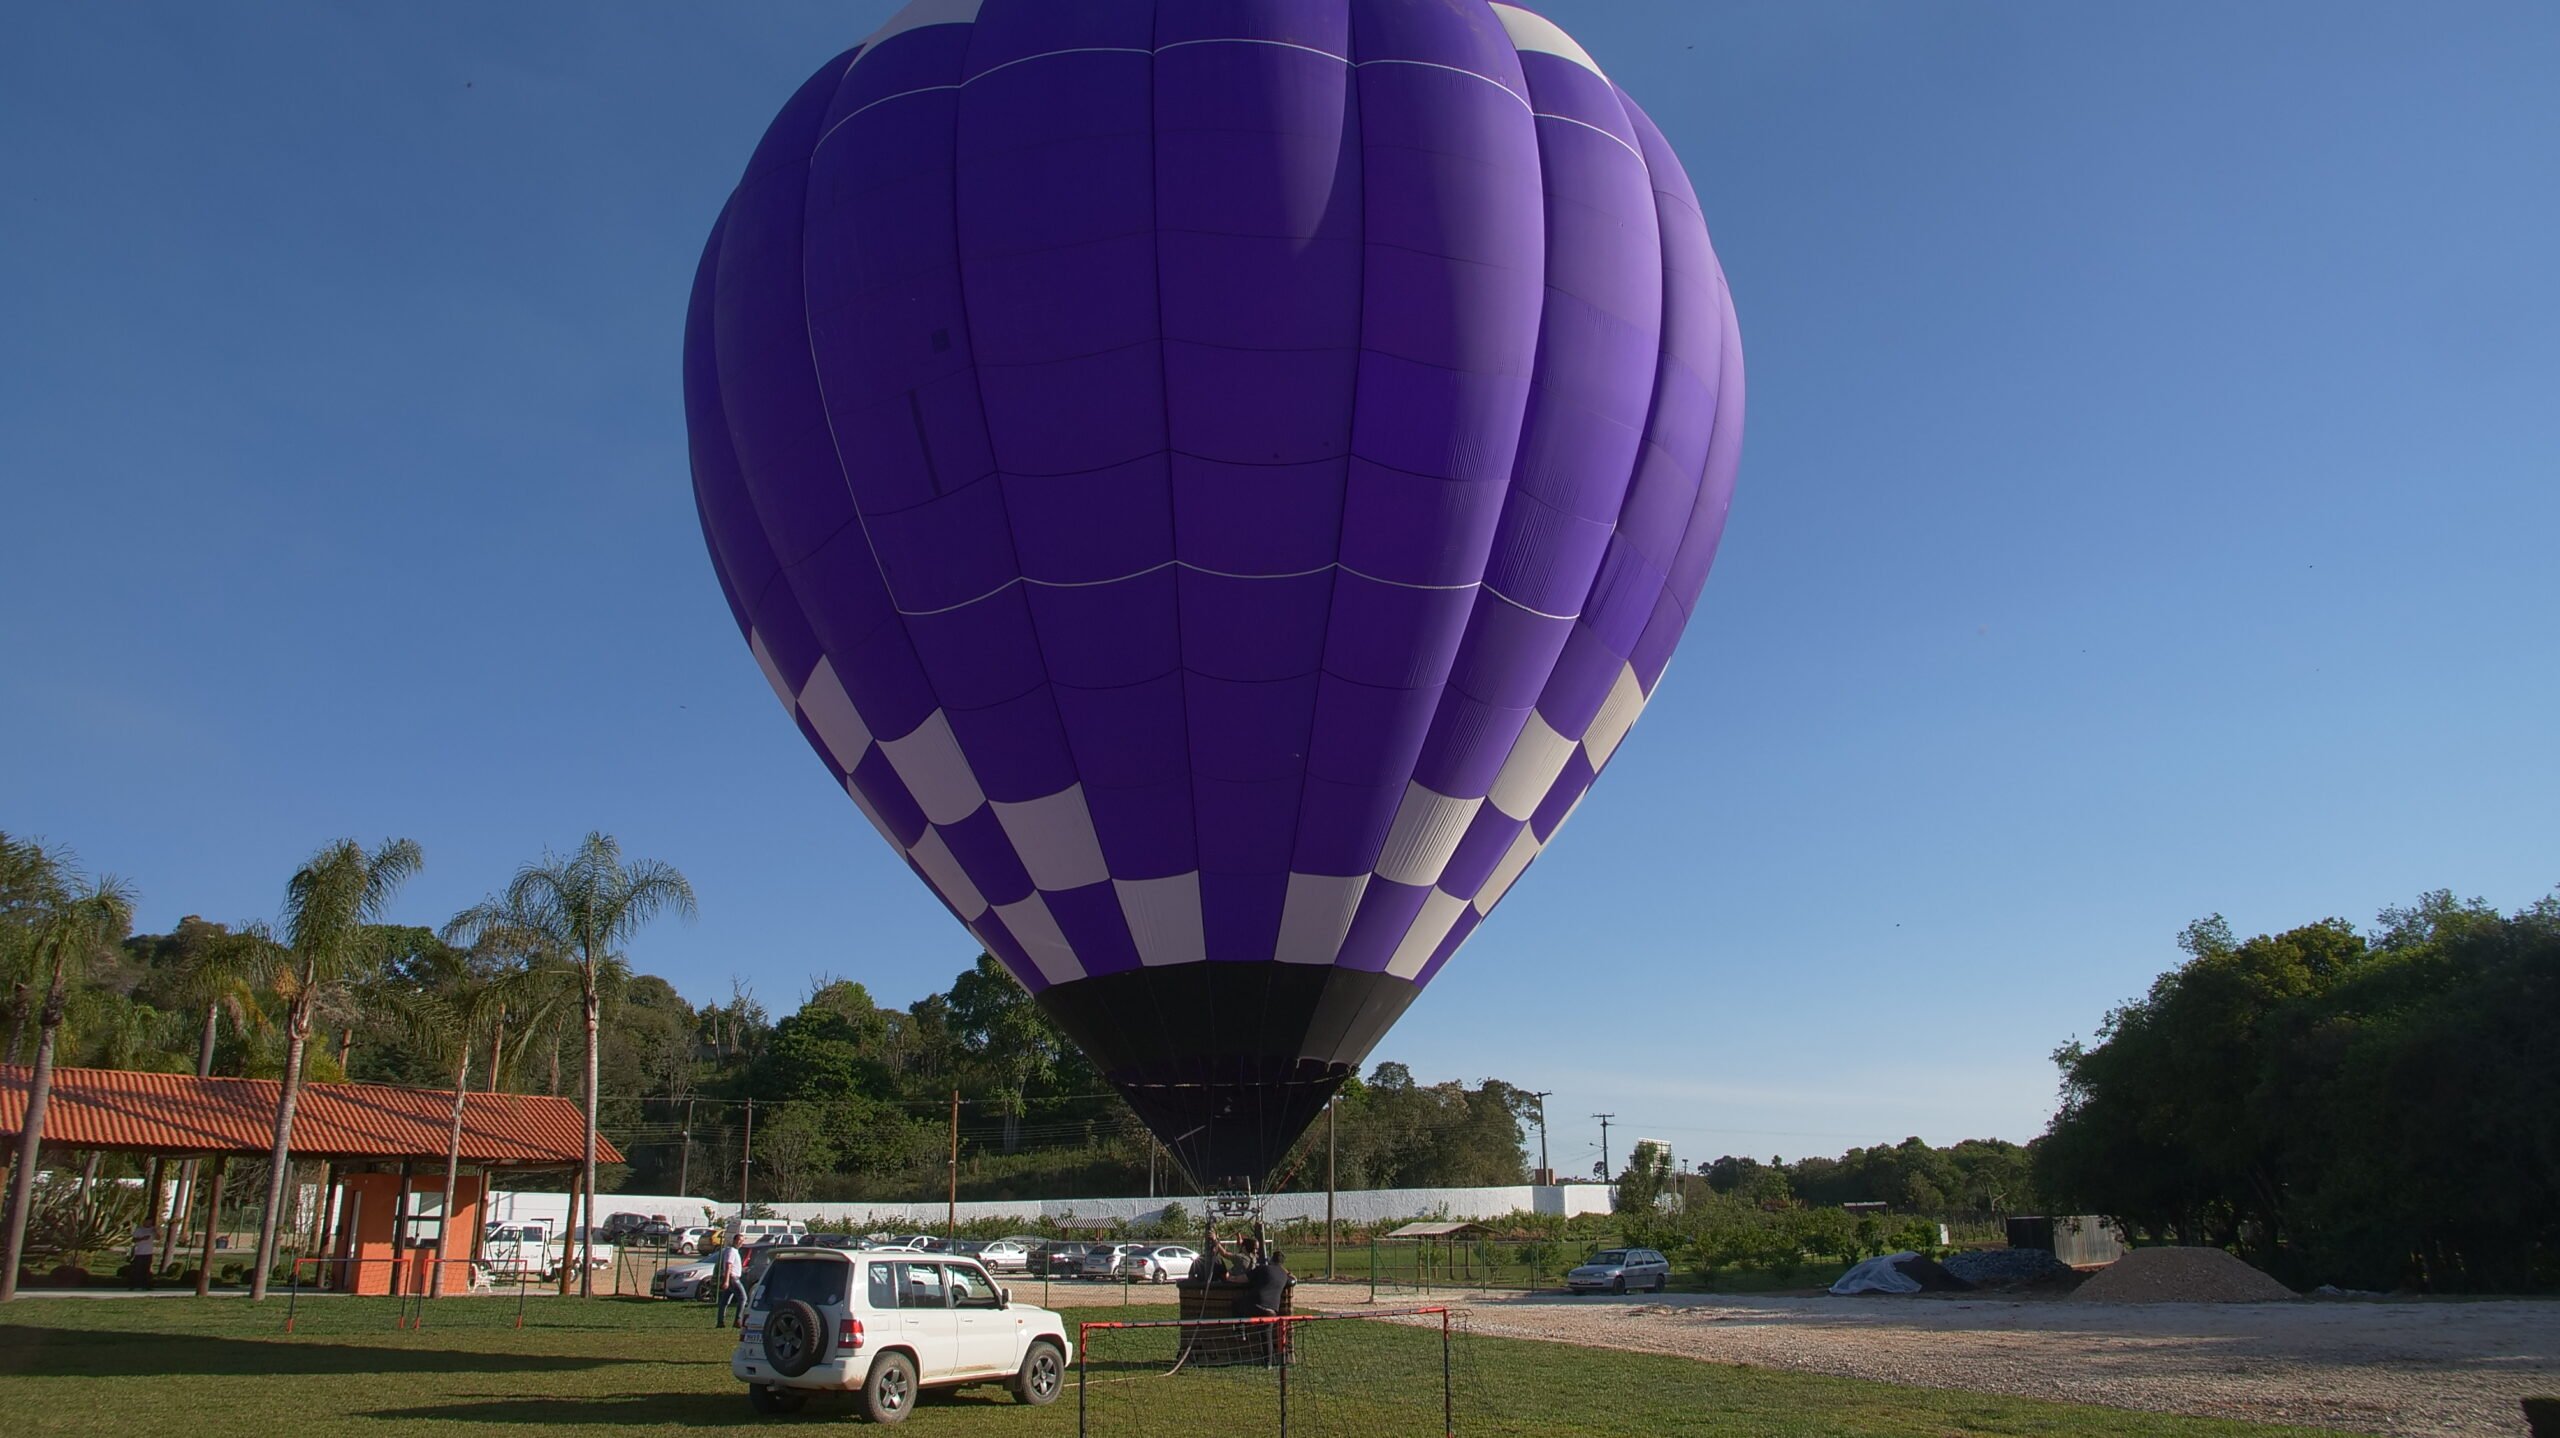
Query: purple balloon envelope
{"points": [[1214, 480]]}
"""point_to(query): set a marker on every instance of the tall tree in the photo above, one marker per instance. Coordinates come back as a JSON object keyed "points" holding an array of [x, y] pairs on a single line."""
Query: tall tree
{"points": [[83, 919], [1004, 1032], [217, 972], [331, 907], [539, 985], [587, 906], [443, 1000], [217, 969]]}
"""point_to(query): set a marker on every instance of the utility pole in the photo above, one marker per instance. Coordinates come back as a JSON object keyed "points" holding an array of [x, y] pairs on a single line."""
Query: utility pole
{"points": [[746, 1156], [684, 1165], [1604, 1143], [1328, 1190], [951, 1216], [1546, 1174]]}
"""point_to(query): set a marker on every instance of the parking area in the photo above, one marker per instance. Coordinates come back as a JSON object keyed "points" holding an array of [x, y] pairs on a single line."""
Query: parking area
{"points": [[2416, 1367]]}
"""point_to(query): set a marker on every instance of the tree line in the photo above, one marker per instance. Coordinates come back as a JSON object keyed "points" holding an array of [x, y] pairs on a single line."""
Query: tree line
{"points": [[533, 990], [2379, 1110], [544, 950]]}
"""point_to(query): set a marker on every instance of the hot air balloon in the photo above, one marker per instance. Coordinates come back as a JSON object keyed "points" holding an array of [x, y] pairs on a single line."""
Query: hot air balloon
{"points": [[1214, 481]]}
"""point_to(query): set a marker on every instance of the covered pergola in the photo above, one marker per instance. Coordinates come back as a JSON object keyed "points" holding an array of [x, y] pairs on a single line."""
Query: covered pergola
{"points": [[1438, 1241], [383, 1150]]}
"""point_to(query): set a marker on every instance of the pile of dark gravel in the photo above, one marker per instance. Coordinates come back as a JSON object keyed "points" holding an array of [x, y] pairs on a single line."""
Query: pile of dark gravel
{"points": [[2002, 1267], [1931, 1277], [2180, 1275]]}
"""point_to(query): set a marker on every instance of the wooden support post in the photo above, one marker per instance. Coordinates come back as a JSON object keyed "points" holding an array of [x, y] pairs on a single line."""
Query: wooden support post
{"points": [[160, 1237], [182, 1200], [320, 1207], [212, 1221]]}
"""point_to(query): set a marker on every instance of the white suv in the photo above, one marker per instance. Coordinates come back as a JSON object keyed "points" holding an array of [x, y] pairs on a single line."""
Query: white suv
{"points": [[884, 1325]]}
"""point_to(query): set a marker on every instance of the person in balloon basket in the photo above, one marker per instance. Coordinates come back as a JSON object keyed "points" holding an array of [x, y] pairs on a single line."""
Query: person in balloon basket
{"points": [[1266, 1288], [733, 1284], [1212, 1267]]}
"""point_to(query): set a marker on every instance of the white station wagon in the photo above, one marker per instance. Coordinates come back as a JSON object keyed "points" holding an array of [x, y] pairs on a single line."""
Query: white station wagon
{"points": [[887, 1324]]}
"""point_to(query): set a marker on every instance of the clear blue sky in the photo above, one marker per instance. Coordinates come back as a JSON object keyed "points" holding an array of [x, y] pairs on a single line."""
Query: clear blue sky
{"points": [[2148, 511]]}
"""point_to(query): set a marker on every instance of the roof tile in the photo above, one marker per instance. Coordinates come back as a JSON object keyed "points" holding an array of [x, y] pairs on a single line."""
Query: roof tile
{"points": [[180, 1113]]}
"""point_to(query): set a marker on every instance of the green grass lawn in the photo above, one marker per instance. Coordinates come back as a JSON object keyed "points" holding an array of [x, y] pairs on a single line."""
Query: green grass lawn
{"points": [[212, 1369]]}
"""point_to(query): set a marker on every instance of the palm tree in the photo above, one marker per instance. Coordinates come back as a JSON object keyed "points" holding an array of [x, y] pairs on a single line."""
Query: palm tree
{"points": [[456, 995], [586, 907], [331, 906], [541, 987], [85, 919], [219, 971], [31, 888]]}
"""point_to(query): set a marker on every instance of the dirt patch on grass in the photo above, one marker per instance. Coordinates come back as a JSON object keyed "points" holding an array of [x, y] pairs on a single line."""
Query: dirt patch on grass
{"points": [[2431, 1369]]}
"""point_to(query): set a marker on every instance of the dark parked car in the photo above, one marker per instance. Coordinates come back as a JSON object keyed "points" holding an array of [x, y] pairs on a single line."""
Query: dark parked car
{"points": [[1062, 1259]]}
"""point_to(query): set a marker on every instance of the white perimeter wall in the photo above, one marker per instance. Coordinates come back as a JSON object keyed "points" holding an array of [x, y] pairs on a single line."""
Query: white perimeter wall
{"points": [[1363, 1206]]}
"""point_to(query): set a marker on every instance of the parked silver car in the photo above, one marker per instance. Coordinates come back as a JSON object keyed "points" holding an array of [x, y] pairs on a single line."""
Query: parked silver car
{"points": [[1115, 1260], [1619, 1270], [686, 1280]]}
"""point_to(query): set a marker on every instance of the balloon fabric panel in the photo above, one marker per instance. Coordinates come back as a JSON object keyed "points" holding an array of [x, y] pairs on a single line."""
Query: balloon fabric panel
{"points": [[1215, 482]]}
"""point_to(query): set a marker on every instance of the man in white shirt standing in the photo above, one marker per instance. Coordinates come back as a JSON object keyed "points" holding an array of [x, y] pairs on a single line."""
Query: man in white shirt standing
{"points": [[733, 1283]]}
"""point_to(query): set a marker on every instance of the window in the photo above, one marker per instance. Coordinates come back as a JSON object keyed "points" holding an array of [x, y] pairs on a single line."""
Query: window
{"points": [[970, 1289], [920, 1285], [882, 1289], [425, 1224], [817, 1281]]}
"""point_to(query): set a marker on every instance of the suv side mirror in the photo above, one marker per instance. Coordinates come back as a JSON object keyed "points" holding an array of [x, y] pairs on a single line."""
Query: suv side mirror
{"points": [[1004, 1298]]}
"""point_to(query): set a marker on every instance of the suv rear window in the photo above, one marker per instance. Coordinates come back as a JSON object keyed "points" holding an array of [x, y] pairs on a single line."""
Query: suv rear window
{"points": [[818, 1281]]}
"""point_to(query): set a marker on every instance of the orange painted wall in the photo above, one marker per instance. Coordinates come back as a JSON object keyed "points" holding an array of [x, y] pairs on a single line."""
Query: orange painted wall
{"points": [[366, 1205]]}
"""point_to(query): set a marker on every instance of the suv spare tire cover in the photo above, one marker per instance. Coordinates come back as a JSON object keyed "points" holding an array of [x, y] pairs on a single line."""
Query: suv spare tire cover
{"points": [[785, 1317]]}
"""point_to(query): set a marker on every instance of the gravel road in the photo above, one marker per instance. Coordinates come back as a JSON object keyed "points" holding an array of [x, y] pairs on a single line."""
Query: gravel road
{"points": [[2402, 1367]]}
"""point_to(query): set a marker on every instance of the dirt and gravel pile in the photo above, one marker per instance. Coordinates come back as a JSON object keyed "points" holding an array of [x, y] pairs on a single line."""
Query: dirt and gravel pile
{"points": [[2002, 1268], [1931, 1275], [2180, 1275]]}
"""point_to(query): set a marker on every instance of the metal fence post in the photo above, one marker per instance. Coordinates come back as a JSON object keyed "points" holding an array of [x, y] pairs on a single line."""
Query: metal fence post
{"points": [[1448, 1406], [1373, 1268], [1084, 1356], [1280, 1333]]}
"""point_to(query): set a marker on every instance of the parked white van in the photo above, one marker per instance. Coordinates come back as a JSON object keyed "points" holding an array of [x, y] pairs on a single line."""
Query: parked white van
{"points": [[885, 1325], [520, 1250], [746, 1232]]}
